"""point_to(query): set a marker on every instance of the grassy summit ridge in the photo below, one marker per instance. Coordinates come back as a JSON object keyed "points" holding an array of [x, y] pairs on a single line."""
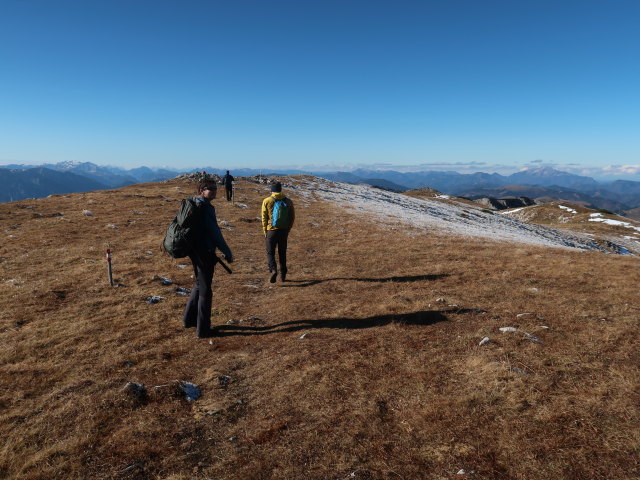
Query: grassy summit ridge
{"points": [[365, 365]]}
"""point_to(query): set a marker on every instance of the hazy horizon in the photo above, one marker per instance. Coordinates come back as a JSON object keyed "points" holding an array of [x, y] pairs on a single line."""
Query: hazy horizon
{"points": [[598, 174]]}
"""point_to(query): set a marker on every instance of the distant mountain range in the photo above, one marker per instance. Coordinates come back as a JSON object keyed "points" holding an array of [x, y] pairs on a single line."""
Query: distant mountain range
{"points": [[541, 184]]}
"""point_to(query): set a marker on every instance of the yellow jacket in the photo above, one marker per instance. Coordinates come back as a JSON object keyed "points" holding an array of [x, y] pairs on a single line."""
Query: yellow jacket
{"points": [[267, 211]]}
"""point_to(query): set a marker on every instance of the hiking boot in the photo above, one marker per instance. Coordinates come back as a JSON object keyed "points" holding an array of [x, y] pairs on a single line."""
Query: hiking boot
{"points": [[283, 277], [208, 334], [272, 278]]}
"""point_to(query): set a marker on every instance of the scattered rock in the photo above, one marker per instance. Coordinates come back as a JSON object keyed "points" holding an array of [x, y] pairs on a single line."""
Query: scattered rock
{"points": [[190, 390], [132, 466], [88, 213], [508, 329], [182, 265], [440, 300], [154, 299], [304, 335], [224, 380], [525, 314], [533, 338], [484, 341], [135, 390], [183, 291], [165, 281], [517, 370]]}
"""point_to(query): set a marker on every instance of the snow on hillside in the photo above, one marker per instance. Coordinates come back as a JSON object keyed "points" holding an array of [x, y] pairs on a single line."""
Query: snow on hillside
{"points": [[396, 209]]}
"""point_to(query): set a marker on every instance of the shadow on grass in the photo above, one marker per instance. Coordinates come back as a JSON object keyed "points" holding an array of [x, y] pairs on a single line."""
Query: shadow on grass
{"points": [[423, 317], [409, 278]]}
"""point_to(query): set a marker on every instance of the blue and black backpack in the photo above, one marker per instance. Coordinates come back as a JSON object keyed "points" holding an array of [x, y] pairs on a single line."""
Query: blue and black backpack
{"points": [[281, 216]]}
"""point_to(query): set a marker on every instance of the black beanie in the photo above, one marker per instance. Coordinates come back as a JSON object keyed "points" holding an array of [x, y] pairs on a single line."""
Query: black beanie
{"points": [[276, 187]]}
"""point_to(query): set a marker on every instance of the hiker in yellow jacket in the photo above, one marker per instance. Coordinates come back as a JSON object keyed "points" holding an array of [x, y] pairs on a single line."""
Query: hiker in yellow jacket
{"points": [[277, 219]]}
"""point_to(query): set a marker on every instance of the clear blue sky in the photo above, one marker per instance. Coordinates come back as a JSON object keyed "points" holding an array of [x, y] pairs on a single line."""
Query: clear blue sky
{"points": [[468, 85]]}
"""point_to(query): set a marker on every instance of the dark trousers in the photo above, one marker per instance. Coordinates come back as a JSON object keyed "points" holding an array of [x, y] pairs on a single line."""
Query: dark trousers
{"points": [[277, 238], [198, 310], [229, 192]]}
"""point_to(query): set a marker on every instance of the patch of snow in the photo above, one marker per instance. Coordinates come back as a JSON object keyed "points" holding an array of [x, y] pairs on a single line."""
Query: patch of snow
{"points": [[568, 209], [610, 221], [395, 210], [595, 215], [509, 212], [442, 196]]}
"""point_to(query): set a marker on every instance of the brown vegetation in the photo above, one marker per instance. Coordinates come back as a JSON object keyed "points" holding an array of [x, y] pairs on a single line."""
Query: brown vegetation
{"points": [[365, 365]]}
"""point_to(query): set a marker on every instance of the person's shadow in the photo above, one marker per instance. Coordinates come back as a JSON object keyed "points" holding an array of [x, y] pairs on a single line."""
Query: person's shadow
{"points": [[403, 279], [422, 317]]}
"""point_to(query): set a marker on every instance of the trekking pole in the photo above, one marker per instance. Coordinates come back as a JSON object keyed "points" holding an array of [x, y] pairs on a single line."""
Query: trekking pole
{"points": [[233, 194], [109, 267], [224, 265]]}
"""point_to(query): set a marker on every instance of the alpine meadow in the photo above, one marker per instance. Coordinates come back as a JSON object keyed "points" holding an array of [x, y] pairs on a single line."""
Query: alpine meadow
{"points": [[418, 336]]}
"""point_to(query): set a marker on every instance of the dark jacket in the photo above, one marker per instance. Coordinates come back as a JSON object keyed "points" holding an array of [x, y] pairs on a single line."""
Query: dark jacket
{"points": [[227, 181], [208, 236]]}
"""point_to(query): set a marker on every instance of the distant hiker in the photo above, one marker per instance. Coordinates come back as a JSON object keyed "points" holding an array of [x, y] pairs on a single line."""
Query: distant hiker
{"points": [[277, 219], [207, 238], [227, 181]]}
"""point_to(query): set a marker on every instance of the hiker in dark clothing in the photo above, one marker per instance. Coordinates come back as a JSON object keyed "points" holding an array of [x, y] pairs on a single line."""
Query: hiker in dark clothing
{"points": [[227, 181], [207, 238], [277, 219]]}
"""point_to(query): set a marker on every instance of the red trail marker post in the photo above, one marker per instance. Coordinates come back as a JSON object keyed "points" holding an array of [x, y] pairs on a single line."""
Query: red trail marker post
{"points": [[109, 267]]}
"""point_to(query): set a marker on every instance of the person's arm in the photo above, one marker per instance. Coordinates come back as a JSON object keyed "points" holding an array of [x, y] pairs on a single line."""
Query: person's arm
{"points": [[218, 239], [293, 214], [265, 215]]}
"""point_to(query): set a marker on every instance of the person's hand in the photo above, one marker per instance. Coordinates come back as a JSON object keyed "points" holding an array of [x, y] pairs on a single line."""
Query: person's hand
{"points": [[229, 259]]}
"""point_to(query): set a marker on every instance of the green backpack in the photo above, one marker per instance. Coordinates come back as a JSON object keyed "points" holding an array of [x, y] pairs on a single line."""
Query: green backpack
{"points": [[178, 239]]}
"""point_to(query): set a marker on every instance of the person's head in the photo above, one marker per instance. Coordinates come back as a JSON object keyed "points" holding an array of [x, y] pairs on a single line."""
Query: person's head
{"points": [[207, 185], [276, 187], [227, 172]]}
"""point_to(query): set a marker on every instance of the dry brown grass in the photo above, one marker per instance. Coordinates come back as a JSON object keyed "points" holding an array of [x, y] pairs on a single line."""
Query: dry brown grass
{"points": [[387, 382]]}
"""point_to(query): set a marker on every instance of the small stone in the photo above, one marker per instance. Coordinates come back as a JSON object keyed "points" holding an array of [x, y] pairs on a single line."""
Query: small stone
{"points": [[165, 281], [484, 341], [525, 314], [440, 300], [533, 338], [191, 391], [136, 390], [508, 329], [154, 299]]}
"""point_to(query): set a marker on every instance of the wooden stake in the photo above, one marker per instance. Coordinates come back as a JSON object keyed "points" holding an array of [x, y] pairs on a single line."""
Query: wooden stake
{"points": [[109, 266]]}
